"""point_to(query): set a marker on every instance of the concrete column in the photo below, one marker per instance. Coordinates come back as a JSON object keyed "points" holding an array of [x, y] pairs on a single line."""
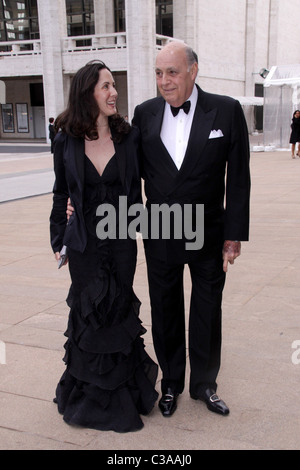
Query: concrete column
{"points": [[141, 51], [104, 18], [273, 33], [250, 37], [184, 21], [52, 22], [250, 47], [99, 18]]}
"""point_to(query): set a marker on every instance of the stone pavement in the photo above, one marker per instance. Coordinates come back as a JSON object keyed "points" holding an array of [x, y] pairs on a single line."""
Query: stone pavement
{"points": [[260, 372]]}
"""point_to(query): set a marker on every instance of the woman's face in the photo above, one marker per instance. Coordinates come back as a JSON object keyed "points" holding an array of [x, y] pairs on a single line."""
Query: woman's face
{"points": [[297, 114], [105, 93]]}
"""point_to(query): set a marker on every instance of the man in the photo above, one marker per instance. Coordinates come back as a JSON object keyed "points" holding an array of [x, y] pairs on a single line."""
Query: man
{"points": [[185, 160], [51, 132]]}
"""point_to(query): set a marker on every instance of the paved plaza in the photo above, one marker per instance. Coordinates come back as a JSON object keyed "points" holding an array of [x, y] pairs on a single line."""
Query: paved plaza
{"points": [[260, 373]]}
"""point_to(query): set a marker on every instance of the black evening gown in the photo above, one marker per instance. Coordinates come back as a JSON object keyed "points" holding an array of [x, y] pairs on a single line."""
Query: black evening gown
{"points": [[109, 379]]}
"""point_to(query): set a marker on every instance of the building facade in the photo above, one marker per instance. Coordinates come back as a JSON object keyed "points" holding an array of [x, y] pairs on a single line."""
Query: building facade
{"points": [[43, 43]]}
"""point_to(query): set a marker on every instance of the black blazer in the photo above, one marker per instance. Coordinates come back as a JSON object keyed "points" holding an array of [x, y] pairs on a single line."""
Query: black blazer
{"points": [[69, 182], [211, 166]]}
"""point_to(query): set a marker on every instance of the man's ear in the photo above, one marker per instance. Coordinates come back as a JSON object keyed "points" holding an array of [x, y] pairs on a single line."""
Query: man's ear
{"points": [[194, 70]]}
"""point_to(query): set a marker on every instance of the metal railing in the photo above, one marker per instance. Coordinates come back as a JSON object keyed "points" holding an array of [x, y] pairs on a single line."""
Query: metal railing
{"points": [[94, 42], [104, 41], [20, 48], [161, 40], [73, 44]]}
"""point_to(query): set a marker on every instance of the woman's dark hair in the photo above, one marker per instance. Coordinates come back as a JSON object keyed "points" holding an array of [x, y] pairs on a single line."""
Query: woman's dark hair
{"points": [[80, 117]]}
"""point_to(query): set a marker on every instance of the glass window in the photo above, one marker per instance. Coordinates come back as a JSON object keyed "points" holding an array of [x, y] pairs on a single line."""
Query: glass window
{"points": [[22, 117], [7, 118], [120, 23], [19, 21], [164, 17], [80, 17]]}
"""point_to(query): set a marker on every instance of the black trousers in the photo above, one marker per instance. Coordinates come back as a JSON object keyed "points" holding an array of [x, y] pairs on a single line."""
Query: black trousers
{"points": [[166, 291]]}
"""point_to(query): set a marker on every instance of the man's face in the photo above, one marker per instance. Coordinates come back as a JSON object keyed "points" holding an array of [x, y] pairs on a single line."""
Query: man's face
{"points": [[175, 78]]}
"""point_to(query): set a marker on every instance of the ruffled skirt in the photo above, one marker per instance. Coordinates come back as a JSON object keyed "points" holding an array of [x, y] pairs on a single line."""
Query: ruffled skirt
{"points": [[109, 379]]}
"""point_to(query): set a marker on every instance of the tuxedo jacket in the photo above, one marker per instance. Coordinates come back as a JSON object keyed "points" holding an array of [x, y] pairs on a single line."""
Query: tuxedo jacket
{"points": [[69, 155], [215, 170]]}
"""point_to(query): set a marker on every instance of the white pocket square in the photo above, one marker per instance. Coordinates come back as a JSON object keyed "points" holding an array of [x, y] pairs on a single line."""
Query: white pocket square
{"points": [[215, 134]]}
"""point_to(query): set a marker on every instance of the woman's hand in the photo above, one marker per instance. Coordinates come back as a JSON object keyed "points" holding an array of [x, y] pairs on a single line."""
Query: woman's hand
{"points": [[58, 257], [70, 209]]}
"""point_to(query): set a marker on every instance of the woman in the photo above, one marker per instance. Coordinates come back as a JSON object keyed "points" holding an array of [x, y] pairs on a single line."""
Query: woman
{"points": [[295, 134], [109, 378]]}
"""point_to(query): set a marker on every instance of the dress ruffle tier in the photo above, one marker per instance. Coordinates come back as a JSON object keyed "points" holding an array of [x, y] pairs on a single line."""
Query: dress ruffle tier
{"points": [[110, 379]]}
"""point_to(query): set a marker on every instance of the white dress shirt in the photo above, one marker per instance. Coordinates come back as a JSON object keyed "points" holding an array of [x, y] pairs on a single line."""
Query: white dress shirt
{"points": [[175, 131]]}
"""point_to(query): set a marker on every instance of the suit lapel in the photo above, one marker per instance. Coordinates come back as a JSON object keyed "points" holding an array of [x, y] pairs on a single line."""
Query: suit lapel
{"points": [[121, 162], [201, 127], [158, 114], [158, 144], [79, 152], [75, 161]]}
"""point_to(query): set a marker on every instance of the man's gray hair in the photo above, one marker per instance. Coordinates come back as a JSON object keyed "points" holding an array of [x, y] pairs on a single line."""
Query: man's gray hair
{"points": [[190, 53], [191, 56]]}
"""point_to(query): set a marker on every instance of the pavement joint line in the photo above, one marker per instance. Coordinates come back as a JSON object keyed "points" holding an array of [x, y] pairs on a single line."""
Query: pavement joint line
{"points": [[24, 173], [22, 156], [25, 197]]}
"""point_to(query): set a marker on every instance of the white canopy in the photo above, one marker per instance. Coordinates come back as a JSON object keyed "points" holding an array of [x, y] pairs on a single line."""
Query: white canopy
{"points": [[283, 75], [281, 99], [250, 100]]}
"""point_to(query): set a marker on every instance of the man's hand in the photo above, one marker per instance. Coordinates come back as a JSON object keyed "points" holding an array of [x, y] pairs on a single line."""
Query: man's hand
{"points": [[70, 209], [231, 250]]}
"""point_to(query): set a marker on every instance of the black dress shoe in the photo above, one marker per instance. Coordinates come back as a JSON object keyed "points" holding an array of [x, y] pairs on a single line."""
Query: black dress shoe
{"points": [[168, 403], [213, 402]]}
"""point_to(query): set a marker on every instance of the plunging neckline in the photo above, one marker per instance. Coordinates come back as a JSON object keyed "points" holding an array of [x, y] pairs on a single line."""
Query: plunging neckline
{"points": [[100, 175]]}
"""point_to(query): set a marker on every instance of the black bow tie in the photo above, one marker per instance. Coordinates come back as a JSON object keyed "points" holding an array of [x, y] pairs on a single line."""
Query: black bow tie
{"points": [[185, 106]]}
